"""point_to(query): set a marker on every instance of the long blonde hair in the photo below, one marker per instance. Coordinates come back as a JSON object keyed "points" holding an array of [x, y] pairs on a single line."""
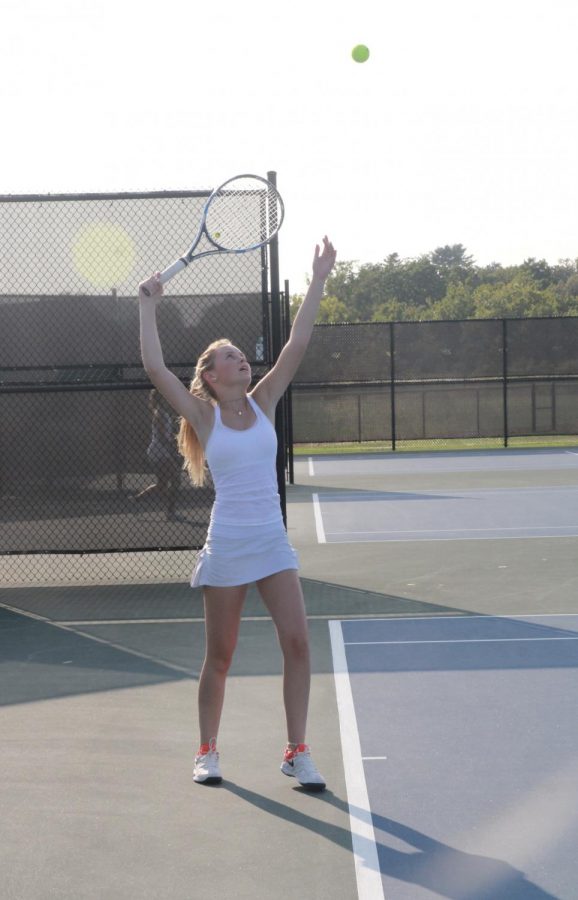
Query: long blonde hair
{"points": [[187, 441]]}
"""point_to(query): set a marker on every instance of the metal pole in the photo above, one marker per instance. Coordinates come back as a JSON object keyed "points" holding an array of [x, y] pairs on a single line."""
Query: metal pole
{"points": [[265, 308], [118, 405], [392, 382], [276, 347], [505, 378], [289, 394]]}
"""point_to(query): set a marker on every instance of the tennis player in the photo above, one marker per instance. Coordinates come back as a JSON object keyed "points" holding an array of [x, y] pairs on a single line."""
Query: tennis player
{"points": [[231, 429]]}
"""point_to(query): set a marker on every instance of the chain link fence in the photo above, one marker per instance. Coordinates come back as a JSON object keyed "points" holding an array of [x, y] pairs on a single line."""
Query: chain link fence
{"points": [[402, 382], [78, 479]]}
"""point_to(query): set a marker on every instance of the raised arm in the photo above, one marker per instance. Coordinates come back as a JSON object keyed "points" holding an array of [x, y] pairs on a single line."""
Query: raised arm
{"points": [[173, 390], [302, 327], [272, 387]]}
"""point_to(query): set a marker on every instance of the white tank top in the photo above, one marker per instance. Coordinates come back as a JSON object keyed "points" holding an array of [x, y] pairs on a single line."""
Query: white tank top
{"points": [[243, 467]]}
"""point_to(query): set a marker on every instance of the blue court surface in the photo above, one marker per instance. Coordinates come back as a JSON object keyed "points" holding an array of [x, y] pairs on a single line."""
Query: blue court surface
{"points": [[347, 516], [474, 495], [459, 738]]}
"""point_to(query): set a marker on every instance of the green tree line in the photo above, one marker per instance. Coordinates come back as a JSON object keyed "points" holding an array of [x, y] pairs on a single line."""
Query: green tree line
{"points": [[446, 284]]}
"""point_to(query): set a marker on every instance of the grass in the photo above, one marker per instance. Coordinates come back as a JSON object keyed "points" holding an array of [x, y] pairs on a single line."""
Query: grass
{"points": [[427, 446]]}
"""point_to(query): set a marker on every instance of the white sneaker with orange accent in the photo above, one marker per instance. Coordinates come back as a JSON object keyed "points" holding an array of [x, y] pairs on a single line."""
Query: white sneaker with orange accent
{"points": [[298, 764], [207, 770]]}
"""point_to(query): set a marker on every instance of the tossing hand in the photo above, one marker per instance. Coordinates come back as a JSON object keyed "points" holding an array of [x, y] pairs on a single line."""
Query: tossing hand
{"points": [[323, 264]]}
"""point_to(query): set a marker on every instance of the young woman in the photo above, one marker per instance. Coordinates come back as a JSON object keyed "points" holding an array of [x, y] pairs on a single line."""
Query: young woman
{"points": [[233, 430]]}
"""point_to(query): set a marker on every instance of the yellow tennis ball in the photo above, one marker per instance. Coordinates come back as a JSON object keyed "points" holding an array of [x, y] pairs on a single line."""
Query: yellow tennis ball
{"points": [[360, 53]]}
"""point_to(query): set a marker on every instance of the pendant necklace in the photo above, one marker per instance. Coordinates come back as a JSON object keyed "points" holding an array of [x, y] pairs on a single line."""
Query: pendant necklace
{"points": [[239, 412]]}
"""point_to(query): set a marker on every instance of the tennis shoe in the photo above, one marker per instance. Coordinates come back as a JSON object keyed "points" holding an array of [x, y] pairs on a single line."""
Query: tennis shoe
{"points": [[298, 764], [207, 770]]}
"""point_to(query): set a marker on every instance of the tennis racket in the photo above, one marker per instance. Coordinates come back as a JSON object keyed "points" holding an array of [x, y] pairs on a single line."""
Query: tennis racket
{"points": [[242, 214]]}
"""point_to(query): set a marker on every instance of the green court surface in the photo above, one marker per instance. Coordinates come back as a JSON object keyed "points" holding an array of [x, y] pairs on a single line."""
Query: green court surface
{"points": [[429, 446]]}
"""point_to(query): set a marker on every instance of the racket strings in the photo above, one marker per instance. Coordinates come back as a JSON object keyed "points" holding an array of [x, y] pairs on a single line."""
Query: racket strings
{"points": [[244, 214]]}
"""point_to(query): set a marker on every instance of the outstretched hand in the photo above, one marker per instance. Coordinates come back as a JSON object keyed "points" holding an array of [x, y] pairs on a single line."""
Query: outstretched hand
{"points": [[324, 262]]}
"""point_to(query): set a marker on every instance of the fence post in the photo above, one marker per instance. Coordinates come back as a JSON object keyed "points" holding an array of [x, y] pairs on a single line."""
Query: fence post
{"points": [[290, 461], [277, 346], [392, 382], [505, 377]]}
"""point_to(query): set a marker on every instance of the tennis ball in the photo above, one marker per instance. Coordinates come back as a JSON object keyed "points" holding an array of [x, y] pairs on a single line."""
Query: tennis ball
{"points": [[360, 53]]}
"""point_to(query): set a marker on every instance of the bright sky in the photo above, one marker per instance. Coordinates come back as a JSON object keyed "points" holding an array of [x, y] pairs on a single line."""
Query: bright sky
{"points": [[461, 128]]}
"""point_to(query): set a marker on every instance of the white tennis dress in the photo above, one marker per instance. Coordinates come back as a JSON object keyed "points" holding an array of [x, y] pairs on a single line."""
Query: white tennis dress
{"points": [[246, 539]]}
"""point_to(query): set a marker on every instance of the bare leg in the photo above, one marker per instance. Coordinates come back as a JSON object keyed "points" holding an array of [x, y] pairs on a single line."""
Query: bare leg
{"points": [[173, 479], [222, 617], [283, 598]]}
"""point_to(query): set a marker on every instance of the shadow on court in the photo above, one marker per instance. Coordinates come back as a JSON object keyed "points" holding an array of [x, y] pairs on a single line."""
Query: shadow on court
{"points": [[102, 776], [379, 496], [58, 642], [66, 641], [433, 865]]}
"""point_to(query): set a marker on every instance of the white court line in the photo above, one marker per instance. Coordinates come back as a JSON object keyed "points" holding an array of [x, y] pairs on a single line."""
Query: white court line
{"points": [[462, 530], [97, 640], [450, 494], [367, 869], [571, 452], [352, 617], [311, 469], [463, 641], [474, 616], [321, 539], [199, 620], [373, 757], [503, 537]]}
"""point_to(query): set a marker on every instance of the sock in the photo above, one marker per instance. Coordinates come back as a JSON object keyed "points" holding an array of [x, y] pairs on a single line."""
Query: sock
{"points": [[292, 749]]}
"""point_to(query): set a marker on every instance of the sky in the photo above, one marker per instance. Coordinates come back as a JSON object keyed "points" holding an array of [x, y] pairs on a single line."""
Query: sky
{"points": [[462, 126]]}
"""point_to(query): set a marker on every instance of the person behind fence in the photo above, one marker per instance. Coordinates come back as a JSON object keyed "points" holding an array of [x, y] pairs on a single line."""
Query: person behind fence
{"points": [[230, 429], [162, 455]]}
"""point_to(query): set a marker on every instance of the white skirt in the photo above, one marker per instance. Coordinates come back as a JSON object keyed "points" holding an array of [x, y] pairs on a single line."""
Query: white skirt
{"points": [[235, 555]]}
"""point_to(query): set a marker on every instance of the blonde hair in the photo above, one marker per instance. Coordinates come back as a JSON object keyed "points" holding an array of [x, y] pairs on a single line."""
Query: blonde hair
{"points": [[187, 440]]}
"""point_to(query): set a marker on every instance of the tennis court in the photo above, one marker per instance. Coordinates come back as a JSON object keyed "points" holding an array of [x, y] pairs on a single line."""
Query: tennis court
{"points": [[485, 513], [458, 723], [459, 735], [442, 709]]}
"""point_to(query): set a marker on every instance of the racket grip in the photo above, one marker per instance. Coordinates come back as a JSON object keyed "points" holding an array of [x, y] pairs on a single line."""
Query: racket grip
{"points": [[167, 274]]}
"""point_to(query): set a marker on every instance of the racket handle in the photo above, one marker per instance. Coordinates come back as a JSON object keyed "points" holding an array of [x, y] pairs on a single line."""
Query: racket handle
{"points": [[168, 273]]}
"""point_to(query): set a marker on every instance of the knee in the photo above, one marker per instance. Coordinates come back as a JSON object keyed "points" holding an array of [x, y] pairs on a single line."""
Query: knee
{"points": [[220, 661], [296, 646]]}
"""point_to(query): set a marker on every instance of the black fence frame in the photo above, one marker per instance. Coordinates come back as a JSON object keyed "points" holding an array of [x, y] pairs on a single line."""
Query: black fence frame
{"points": [[392, 380], [13, 378]]}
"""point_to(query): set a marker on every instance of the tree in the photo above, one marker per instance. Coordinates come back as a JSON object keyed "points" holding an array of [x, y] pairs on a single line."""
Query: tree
{"points": [[538, 270], [452, 262], [332, 310], [422, 282], [520, 297], [458, 303], [341, 280], [446, 284], [295, 302]]}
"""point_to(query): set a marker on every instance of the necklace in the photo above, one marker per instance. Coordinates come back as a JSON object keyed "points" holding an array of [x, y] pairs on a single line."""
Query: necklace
{"points": [[238, 411]]}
